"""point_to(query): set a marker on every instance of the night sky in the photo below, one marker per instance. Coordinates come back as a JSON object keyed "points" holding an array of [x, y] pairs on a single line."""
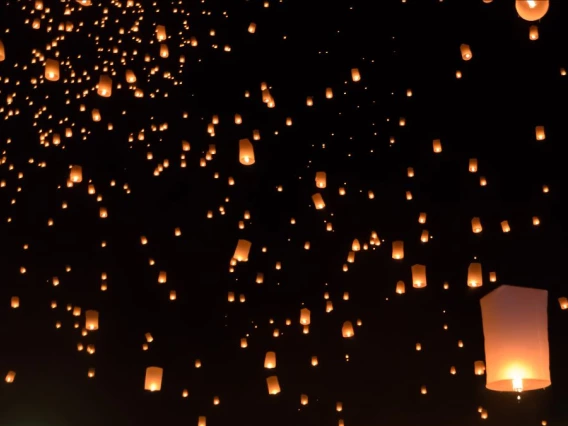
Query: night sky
{"points": [[60, 258]]}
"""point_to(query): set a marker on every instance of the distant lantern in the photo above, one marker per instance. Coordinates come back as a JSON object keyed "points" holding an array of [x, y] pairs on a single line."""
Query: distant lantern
{"points": [[314, 361], [246, 152], [270, 360], [91, 320], [533, 32], [422, 218], [540, 135], [318, 201], [304, 399], [2, 51], [305, 316], [423, 390], [76, 174], [347, 330], [532, 10], [105, 86], [400, 289], [398, 250], [321, 179], [476, 225], [153, 381], [410, 172], [453, 370], [424, 236], [492, 277], [466, 52], [563, 303], [51, 69], [202, 421], [505, 226], [10, 377], [479, 368], [242, 251], [273, 385], [418, 276], [515, 326], [355, 75], [329, 93], [474, 275], [103, 213], [252, 28], [473, 165], [162, 277], [355, 246], [15, 302], [164, 51], [437, 146], [130, 76]]}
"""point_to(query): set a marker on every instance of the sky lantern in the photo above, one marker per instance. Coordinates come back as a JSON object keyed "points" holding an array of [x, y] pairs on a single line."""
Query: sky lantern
{"points": [[105, 86], [466, 52], [153, 381], [476, 225], [347, 330], [532, 10], [540, 134], [355, 75], [246, 152], [437, 146], [15, 302], [318, 201], [533, 32], [400, 288], [10, 377], [479, 368], [418, 276], [202, 421], [161, 32], [515, 326], [321, 179], [252, 28], [563, 301], [270, 360], [91, 320], [51, 69], [242, 251], [273, 385], [305, 316], [76, 174], [474, 275], [2, 51], [398, 250]]}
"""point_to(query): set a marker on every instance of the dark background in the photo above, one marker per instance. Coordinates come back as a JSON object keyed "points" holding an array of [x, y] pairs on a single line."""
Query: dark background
{"points": [[510, 86]]}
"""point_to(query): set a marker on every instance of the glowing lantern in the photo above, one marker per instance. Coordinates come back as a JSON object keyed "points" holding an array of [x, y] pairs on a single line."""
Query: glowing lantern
{"points": [[161, 32], [355, 246], [321, 179], [164, 51], [473, 165], [540, 135], [10, 377], [505, 226], [563, 303], [347, 330], [437, 146], [533, 32], [2, 51], [400, 289], [91, 320], [153, 380], [252, 28], [273, 385], [305, 316], [329, 93], [242, 251], [318, 201], [201, 421], [492, 277], [355, 75], [479, 368], [15, 302], [130, 76], [515, 326], [532, 10], [76, 174], [422, 218], [418, 276], [398, 250], [105, 86], [246, 152], [465, 52], [162, 277], [474, 275], [424, 236], [270, 360], [51, 70], [476, 225]]}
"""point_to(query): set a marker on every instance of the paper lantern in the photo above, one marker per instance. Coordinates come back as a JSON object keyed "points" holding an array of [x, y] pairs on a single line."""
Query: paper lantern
{"points": [[505, 226], [51, 70], [246, 152], [476, 225], [356, 246], [321, 179], [153, 381], [473, 165], [10, 377], [437, 146], [318, 201], [466, 52], [422, 218], [270, 360], [252, 28], [242, 251], [164, 51], [105, 86], [76, 174], [533, 32], [400, 288], [563, 303], [515, 326], [15, 302], [398, 250], [540, 134], [532, 10], [273, 385], [347, 330], [418, 276], [329, 93], [474, 275], [91, 320], [305, 316], [355, 75], [2, 51], [479, 368], [161, 32]]}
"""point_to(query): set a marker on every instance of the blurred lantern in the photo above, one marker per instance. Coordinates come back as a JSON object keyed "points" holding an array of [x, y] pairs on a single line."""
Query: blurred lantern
{"points": [[273, 385], [532, 10], [465, 52]]}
